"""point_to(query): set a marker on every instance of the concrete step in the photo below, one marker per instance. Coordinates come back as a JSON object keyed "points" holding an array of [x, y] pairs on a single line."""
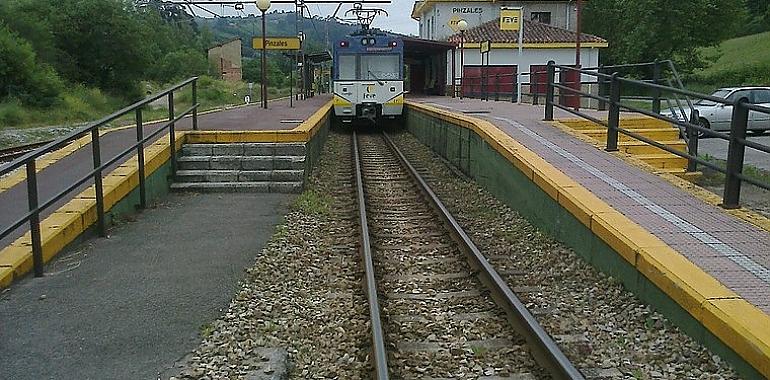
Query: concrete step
{"points": [[245, 149], [633, 123], [641, 148], [238, 187], [241, 162], [239, 175], [657, 134], [664, 161]]}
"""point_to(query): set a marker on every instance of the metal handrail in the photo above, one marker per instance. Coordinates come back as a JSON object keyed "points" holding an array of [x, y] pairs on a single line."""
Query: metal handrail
{"points": [[737, 137], [28, 160]]}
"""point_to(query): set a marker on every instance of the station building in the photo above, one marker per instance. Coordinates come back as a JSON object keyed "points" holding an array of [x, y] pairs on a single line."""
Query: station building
{"points": [[549, 34], [226, 58]]}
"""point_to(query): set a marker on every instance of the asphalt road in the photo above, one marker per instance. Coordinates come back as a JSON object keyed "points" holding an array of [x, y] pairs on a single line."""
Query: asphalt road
{"points": [[718, 149], [129, 306]]}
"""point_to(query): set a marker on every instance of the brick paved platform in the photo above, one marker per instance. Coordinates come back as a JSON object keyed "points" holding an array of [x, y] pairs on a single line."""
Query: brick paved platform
{"points": [[57, 176], [733, 251]]}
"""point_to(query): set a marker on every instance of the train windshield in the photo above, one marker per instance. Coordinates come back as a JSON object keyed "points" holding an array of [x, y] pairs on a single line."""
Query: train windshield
{"points": [[369, 67]]}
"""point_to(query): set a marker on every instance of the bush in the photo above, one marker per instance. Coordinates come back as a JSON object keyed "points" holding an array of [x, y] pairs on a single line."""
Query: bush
{"points": [[11, 114], [21, 76]]}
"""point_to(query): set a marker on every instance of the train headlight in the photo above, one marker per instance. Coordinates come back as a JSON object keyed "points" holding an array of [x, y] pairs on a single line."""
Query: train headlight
{"points": [[364, 41], [393, 43], [344, 44]]}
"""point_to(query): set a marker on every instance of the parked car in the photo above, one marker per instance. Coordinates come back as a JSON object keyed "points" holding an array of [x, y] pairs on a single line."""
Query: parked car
{"points": [[717, 116]]}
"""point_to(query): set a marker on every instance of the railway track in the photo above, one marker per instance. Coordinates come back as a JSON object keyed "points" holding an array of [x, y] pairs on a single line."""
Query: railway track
{"points": [[12, 153], [437, 307]]}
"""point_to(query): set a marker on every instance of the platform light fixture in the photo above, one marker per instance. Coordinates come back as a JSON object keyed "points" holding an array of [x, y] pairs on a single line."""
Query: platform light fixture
{"points": [[263, 6], [462, 25]]}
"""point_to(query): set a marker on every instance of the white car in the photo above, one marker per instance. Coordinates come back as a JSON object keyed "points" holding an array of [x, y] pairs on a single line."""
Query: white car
{"points": [[717, 116]]}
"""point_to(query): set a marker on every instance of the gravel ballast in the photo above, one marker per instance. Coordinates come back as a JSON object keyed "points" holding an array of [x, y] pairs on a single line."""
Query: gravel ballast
{"points": [[304, 293], [602, 327]]}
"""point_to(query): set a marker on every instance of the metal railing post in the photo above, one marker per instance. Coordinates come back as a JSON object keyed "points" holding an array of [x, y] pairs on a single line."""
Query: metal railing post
{"points": [[34, 219], [549, 90], [740, 121], [656, 92], [171, 133], [194, 102], [98, 185], [613, 121], [140, 158], [692, 141], [497, 87]]}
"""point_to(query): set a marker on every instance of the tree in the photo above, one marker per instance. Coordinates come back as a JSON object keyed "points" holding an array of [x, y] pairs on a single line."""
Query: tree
{"points": [[645, 30], [21, 75]]}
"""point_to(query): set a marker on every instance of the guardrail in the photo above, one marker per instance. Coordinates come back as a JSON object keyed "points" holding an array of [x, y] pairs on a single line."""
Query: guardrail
{"points": [[738, 143], [28, 161]]}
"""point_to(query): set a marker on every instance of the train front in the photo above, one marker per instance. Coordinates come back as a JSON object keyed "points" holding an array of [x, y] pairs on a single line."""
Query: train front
{"points": [[368, 77]]}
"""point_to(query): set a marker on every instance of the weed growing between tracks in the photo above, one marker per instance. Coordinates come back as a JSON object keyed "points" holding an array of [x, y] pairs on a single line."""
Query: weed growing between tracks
{"points": [[303, 294], [599, 325]]}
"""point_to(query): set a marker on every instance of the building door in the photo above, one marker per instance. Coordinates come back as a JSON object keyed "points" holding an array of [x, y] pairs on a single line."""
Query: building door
{"points": [[569, 78], [417, 79], [538, 82], [490, 81]]}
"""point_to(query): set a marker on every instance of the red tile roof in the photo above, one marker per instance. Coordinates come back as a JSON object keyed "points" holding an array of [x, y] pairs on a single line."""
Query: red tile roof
{"points": [[534, 33]]}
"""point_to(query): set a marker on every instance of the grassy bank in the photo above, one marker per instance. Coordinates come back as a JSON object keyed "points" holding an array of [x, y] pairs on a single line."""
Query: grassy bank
{"points": [[21, 124], [735, 62], [79, 104]]}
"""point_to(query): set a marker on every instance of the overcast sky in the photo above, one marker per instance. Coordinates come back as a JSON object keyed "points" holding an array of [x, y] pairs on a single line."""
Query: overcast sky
{"points": [[399, 11]]}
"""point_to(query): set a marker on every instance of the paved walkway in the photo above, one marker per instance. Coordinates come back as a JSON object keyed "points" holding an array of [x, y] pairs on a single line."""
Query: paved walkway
{"points": [[733, 251], [718, 148], [55, 178], [129, 306]]}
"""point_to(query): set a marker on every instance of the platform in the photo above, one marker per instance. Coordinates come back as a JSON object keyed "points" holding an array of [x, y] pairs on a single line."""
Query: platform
{"points": [[730, 250], [129, 306], [66, 169]]}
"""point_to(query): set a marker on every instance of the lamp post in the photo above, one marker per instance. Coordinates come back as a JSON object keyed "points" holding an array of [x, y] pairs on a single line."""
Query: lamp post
{"points": [[463, 26], [263, 6], [301, 36]]}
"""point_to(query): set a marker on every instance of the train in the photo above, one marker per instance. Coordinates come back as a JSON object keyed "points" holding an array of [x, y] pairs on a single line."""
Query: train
{"points": [[368, 77]]}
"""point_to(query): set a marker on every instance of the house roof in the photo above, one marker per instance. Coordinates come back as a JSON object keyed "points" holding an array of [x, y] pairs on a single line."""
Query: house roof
{"points": [[223, 43], [534, 33]]}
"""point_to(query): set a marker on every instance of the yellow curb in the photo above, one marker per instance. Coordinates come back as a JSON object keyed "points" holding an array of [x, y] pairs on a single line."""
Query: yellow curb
{"points": [[73, 218], [735, 321], [723, 315]]}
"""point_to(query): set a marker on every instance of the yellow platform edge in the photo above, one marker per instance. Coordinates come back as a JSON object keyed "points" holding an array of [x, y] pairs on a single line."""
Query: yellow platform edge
{"points": [[736, 322]]}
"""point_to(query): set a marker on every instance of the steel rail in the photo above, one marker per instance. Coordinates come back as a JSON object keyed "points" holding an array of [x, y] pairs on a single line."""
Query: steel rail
{"points": [[545, 351], [11, 153], [379, 354]]}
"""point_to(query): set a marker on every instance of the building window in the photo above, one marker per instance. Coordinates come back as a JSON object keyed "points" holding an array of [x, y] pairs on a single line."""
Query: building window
{"points": [[542, 17]]}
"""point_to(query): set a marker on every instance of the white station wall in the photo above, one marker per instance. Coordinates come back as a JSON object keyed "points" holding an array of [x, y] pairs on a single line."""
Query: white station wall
{"points": [[589, 57]]}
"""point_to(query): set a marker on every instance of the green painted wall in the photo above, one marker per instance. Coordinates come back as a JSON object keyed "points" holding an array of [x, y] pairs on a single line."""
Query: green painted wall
{"points": [[478, 160]]}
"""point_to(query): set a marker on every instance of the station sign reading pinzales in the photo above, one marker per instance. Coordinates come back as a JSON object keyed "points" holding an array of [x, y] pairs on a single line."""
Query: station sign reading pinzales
{"points": [[276, 43]]}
